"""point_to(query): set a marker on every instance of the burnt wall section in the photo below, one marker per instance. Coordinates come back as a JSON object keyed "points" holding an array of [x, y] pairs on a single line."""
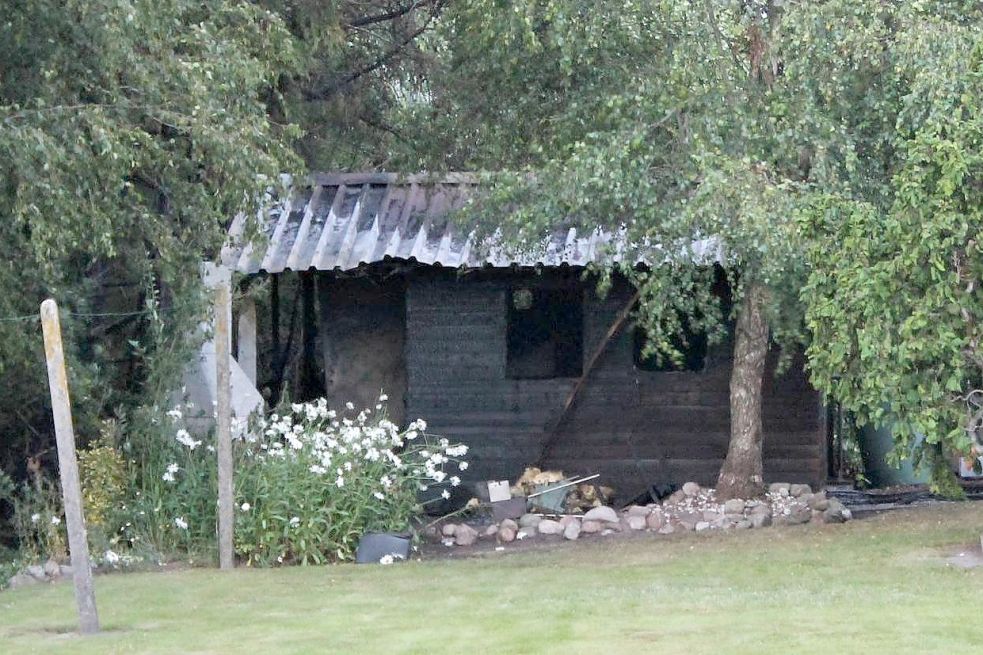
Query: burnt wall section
{"points": [[363, 332], [635, 427]]}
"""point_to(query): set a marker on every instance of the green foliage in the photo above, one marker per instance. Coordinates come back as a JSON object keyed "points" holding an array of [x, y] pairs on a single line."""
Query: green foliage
{"points": [[680, 124], [102, 472], [307, 487], [358, 60], [131, 132], [9, 567], [894, 292], [37, 518], [827, 152], [170, 509], [848, 440], [315, 482], [662, 122]]}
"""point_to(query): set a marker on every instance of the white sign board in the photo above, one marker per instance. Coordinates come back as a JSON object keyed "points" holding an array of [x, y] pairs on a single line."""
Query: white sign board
{"points": [[499, 490]]}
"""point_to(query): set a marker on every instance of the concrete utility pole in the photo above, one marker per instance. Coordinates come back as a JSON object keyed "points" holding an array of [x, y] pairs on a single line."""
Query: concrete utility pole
{"points": [[71, 488], [223, 432], [247, 339]]}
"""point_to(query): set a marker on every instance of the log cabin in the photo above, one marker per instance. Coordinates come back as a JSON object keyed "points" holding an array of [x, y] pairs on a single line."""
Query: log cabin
{"points": [[519, 357]]}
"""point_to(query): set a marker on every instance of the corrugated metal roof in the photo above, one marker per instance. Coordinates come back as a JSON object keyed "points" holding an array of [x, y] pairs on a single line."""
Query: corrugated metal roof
{"points": [[340, 221]]}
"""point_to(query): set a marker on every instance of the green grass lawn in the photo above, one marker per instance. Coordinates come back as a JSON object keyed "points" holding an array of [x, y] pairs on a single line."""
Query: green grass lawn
{"points": [[880, 585]]}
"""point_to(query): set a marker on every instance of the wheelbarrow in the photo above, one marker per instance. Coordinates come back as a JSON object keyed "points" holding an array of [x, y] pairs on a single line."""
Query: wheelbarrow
{"points": [[549, 498]]}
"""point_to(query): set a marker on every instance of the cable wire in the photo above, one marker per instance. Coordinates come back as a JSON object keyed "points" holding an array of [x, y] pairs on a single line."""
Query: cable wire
{"points": [[35, 317]]}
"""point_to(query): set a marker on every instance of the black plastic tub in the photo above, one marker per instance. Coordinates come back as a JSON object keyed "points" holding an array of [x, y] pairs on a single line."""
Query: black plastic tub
{"points": [[373, 546]]}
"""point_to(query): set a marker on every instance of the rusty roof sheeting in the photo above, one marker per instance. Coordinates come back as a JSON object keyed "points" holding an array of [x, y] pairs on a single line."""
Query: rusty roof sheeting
{"points": [[341, 221]]}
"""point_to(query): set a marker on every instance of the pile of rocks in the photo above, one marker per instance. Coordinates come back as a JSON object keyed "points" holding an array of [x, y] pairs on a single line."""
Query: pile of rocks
{"points": [[50, 571], [692, 508], [696, 508]]}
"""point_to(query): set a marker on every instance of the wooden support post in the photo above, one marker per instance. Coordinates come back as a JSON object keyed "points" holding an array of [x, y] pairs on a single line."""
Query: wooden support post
{"points": [[275, 316], [551, 430], [71, 488], [246, 356], [223, 432], [311, 382]]}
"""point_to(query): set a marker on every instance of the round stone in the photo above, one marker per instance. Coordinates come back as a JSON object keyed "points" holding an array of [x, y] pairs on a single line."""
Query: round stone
{"points": [[590, 527], [465, 535], [603, 514], [549, 526]]}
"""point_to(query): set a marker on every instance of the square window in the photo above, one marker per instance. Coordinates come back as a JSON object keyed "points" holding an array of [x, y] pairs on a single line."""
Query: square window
{"points": [[691, 345], [545, 334]]}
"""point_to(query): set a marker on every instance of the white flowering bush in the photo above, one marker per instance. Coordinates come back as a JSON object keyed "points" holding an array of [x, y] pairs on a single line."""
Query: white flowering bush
{"points": [[172, 500], [308, 481], [312, 481]]}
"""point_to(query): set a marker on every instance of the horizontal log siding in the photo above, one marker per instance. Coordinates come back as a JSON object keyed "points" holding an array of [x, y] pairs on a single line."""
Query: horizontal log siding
{"points": [[634, 427], [455, 360]]}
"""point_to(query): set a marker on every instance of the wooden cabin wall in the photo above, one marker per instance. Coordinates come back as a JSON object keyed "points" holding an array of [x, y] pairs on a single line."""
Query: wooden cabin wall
{"points": [[635, 427], [642, 427], [455, 364]]}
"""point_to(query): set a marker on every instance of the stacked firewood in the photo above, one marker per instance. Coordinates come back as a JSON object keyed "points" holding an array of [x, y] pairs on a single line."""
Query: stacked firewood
{"points": [[586, 496], [531, 478]]}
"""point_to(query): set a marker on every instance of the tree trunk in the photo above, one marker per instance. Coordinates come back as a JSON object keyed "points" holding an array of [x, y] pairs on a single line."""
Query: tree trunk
{"points": [[742, 475]]}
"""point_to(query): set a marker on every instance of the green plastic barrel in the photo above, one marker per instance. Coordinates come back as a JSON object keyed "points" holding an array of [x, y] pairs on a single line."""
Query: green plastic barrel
{"points": [[875, 444]]}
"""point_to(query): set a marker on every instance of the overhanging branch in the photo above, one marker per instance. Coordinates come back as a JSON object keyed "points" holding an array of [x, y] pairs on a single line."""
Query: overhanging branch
{"points": [[388, 15], [382, 60]]}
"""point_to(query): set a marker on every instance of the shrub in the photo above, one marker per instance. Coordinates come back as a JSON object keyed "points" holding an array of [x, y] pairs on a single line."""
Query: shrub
{"points": [[102, 472], [174, 502], [37, 517], [9, 566], [313, 482], [308, 483]]}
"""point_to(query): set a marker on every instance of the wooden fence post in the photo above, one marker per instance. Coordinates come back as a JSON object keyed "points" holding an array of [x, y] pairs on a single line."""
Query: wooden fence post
{"points": [[223, 433], [68, 470]]}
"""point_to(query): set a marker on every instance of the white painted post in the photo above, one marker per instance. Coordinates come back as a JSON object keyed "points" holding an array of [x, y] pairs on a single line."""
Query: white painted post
{"points": [[223, 432], [71, 488], [247, 339]]}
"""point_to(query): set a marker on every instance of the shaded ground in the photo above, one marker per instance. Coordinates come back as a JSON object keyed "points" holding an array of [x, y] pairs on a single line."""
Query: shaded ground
{"points": [[882, 585]]}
